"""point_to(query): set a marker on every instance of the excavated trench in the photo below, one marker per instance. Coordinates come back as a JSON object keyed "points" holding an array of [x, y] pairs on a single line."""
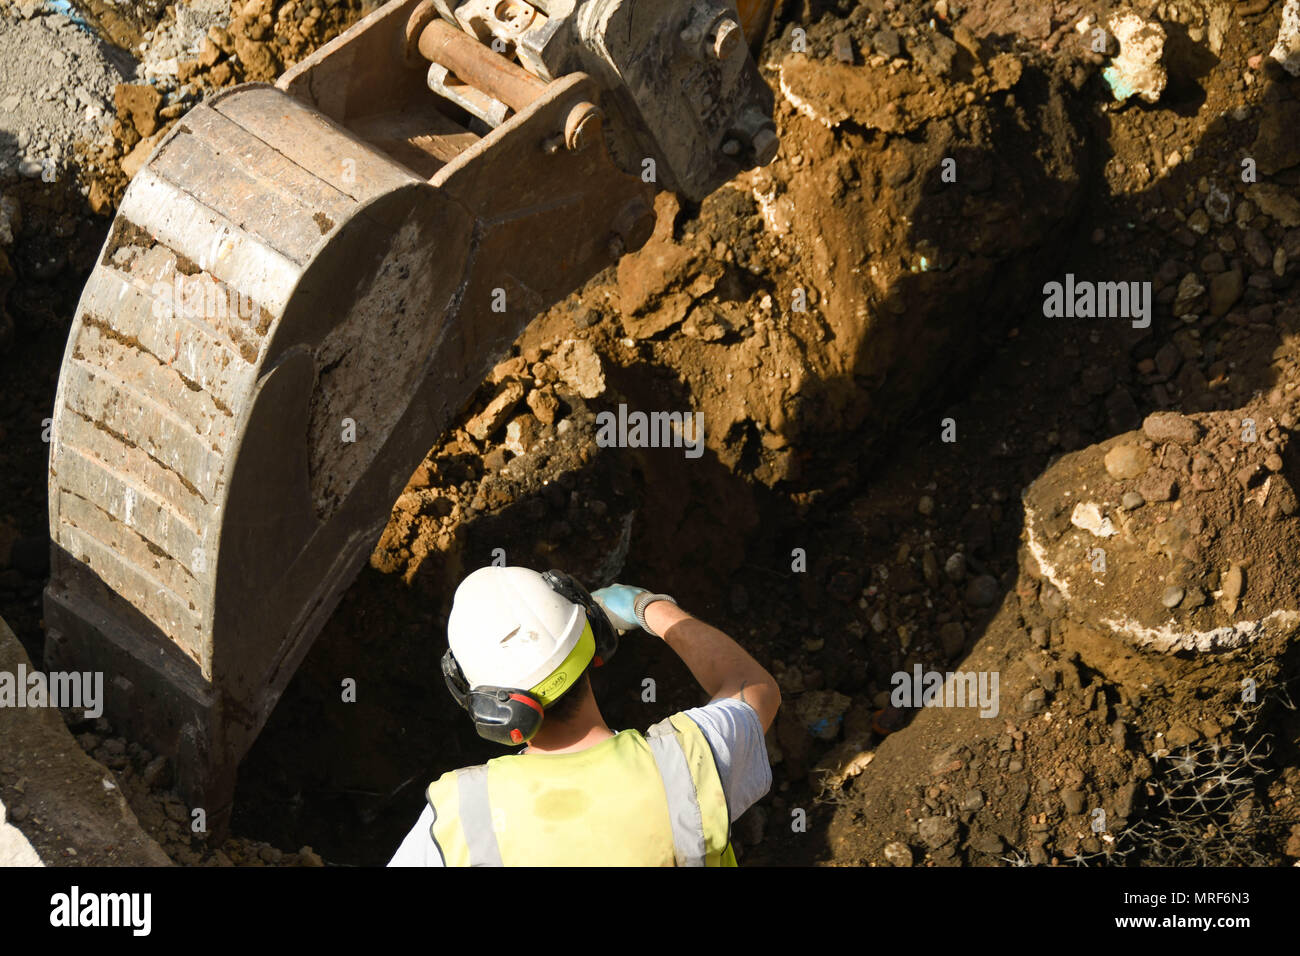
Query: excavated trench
{"points": [[828, 525]]}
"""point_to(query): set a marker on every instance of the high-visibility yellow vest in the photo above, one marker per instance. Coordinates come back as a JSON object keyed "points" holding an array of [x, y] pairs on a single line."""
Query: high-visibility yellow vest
{"points": [[631, 800]]}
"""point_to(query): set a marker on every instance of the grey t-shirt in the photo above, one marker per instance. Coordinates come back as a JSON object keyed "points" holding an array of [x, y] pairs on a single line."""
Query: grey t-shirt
{"points": [[732, 729]]}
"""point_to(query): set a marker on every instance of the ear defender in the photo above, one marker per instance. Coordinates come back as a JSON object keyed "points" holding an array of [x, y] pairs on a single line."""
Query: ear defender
{"points": [[504, 715], [510, 715], [567, 587]]}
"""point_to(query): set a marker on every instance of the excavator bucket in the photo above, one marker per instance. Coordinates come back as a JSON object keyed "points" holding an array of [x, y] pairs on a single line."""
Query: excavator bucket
{"points": [[303, 286]]}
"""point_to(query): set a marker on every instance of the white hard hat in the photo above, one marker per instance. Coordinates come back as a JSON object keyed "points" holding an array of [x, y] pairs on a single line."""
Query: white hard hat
{"points": [[509, 628]]}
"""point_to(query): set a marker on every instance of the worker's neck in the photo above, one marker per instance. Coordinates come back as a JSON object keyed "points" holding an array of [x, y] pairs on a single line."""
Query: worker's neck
{"points": [[586, 729]]}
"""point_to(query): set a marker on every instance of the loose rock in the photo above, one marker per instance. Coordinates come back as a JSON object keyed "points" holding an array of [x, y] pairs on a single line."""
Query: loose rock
{"points": [[1127, 461], [1171, 427], [899, 854], [936, 831], [983, 591]]}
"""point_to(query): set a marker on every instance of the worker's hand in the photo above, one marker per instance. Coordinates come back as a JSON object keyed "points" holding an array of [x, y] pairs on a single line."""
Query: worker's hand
{"points": [[617, 603]]}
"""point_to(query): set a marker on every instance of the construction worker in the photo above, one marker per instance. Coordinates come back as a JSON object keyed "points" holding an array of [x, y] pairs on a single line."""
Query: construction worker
{"points": [[579, 793]]}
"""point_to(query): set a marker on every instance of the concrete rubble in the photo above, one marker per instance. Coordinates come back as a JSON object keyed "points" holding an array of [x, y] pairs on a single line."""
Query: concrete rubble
{"points": [[1138, 69]]}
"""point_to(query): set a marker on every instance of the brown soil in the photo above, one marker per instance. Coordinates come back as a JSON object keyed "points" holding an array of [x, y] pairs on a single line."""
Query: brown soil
{"points": [[825, 434]]}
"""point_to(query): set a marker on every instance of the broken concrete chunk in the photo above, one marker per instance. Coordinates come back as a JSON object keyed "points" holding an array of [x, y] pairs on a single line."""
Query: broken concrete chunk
{"points": [[486, 422], [522, 433], [1287, 49], [578, 366], [1089, 517], [1137, 70]]}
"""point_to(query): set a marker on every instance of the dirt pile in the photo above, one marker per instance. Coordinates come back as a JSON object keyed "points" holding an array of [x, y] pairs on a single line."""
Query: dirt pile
{"points": [[826, 315], [783, 315], [1143, 701], [263, 38], [67, 805], [180, 36], [531, 433], [1099, 756], [193, 49], [836, 267], [1145, 693], [1176, 537], [145, 783], [56, 89]]}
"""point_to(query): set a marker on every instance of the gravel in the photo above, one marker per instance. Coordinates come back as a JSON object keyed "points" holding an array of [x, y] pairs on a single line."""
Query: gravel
{"points": [[181, 38], [56, 90]]}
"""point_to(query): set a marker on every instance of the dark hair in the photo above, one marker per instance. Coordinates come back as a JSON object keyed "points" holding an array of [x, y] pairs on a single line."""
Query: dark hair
{"points": [[570, 702]]}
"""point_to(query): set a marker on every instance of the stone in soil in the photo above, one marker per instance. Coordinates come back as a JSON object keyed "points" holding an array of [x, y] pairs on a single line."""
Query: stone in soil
{"points": [[1127, 461], [937, 831], [952, 637], [900, 854], [1225, 290], [1171, 427], [983, 591], [1073, 800], [1159, 484]]}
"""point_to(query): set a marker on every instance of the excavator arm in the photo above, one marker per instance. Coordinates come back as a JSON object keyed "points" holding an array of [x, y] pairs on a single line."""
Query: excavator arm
{"points": [[755, 18], [304, 285]]}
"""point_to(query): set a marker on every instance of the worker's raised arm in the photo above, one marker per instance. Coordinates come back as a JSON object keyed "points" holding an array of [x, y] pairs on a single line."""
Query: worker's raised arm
{"points": [[723, 667]]}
